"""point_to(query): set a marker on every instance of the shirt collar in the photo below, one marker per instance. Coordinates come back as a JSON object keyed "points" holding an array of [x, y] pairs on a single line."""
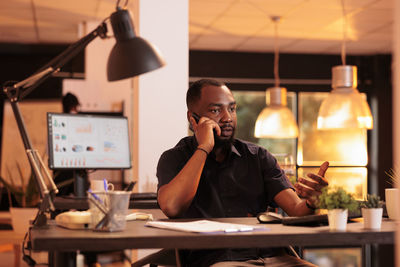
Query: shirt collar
{"points": [[233, 148]]}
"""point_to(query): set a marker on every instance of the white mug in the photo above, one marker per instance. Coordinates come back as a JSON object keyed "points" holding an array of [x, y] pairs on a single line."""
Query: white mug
{"points": [[392, 197], [101, 185]]}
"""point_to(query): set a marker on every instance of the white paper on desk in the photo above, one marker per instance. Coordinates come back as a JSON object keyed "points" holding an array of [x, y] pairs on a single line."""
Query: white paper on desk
{"points": [[205, 226]]}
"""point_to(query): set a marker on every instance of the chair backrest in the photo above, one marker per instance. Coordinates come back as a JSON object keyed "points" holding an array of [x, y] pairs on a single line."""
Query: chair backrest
{"points": [[163, 257]]}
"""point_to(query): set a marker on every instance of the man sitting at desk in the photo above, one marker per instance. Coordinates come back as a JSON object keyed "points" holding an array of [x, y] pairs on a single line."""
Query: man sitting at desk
{"points": [[214, 175]]}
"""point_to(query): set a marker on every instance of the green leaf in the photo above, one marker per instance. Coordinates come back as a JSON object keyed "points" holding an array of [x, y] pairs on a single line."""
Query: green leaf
{"points": [[336, 198], [26, 195], [372, 201]]}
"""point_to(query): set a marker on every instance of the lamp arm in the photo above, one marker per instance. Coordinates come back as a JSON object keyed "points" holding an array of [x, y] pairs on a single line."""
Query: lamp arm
{"points": [[22, 89], [38, 168], [18, 91], [77, 47]]}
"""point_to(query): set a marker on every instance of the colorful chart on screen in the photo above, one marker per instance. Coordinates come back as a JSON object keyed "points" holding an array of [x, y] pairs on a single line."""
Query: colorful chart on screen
{"points": [[78, 141]]}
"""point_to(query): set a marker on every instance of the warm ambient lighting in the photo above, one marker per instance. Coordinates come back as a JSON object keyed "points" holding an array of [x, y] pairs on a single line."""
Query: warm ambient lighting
{"points": [[345, 107], [276, 120]]}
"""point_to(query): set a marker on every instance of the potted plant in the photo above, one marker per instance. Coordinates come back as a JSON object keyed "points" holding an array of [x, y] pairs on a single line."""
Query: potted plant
{"points": [[338, 202], [392, 195], [25, 195], [371, 209]]}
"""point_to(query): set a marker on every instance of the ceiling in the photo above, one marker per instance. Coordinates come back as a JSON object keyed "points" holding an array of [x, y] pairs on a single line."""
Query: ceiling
{"points": [[306, 26]]}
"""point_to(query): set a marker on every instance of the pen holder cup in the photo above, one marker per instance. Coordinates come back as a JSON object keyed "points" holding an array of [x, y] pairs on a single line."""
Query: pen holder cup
{"points": [[115, 204]]}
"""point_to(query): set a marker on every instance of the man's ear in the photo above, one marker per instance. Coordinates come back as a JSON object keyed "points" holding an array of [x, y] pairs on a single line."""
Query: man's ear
{"points": [[188, 115]]}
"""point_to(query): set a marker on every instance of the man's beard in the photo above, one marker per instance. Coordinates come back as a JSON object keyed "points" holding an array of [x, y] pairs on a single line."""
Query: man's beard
{"points": [[223, 143]]}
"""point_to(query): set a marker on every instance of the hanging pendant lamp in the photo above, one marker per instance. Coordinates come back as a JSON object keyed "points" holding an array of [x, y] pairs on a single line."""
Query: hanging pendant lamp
{"points": [[345, 107], [276, 120]]}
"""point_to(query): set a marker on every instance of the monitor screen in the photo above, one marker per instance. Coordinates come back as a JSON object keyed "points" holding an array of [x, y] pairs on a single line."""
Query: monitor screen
{"points": [[81, 141]]}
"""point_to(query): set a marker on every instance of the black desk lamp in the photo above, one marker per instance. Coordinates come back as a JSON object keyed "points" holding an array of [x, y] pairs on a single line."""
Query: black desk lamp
{"points": [[131, 56]]}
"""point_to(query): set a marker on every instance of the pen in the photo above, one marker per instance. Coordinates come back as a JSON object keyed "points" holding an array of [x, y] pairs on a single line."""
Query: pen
{"points": [[130, 186], [105, 184], [241, 229], [231, 230], [97, 202], [94, 195], [244, 229]]}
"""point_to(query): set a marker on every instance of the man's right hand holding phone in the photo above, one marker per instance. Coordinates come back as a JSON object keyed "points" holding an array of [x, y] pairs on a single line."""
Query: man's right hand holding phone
{"points": [[204, 129]]}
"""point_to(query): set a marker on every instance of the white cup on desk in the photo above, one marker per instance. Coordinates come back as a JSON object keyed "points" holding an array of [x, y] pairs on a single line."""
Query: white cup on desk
{"points": [[392, 198], [101, 185]]}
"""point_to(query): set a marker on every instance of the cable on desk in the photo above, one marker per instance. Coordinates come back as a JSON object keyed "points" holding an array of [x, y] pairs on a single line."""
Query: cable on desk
{"points": [[27, 246], [27, 241]]}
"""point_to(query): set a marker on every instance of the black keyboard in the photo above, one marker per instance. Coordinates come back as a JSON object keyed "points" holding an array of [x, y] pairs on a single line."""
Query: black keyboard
{"points": [[307, 220]]}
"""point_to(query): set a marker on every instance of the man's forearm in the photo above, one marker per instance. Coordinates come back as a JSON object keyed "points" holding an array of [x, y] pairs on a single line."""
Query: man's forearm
{"points": [[290, 202], [175, 197], [303, 209]]}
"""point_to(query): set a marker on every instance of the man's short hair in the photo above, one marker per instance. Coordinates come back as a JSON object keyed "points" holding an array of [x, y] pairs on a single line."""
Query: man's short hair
{"points": [[69, 102], [194, 92]]}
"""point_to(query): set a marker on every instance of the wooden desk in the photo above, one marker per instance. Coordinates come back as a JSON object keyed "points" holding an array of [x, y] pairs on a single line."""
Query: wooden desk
{"points": [[137, 235]]}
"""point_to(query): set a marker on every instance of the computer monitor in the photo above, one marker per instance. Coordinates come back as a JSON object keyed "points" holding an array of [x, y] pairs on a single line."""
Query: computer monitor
{"points": [[82, 141]]}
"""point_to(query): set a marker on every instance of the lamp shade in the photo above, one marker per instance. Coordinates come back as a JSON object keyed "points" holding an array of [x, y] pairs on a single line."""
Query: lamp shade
{"points": [[344, 107], [131, 55], [276, 120]]}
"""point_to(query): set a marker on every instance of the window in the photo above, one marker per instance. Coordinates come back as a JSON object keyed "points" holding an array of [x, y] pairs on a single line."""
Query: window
{"points": [[346, 150]]}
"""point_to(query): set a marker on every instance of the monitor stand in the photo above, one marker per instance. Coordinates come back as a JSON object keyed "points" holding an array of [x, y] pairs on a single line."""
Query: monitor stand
{"points": [[81, 184]]}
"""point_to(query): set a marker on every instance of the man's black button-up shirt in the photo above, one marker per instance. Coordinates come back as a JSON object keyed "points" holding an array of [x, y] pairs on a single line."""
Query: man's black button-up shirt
{"points": [[243, 185]]}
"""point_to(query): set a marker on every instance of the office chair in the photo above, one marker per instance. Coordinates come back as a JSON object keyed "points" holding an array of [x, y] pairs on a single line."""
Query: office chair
{"points": [[291, 251], [163, 257], [171, 257]]}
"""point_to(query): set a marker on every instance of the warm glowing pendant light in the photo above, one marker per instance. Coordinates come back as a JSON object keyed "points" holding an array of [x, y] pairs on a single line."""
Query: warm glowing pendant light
{"points": [[276, 120], [345, 107]]}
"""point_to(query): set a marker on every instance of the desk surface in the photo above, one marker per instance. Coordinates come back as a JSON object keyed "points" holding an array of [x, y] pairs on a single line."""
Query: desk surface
{"points": [[137, 235]]}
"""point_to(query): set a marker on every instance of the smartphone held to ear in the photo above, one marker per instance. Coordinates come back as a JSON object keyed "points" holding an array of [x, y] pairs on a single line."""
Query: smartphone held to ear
{"points": [[197, 119]]}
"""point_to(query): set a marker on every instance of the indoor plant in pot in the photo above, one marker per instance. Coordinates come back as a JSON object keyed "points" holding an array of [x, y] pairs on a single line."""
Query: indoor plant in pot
{"points": [[392, 195], [371, 209], [26, 197], [338, 202]]}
